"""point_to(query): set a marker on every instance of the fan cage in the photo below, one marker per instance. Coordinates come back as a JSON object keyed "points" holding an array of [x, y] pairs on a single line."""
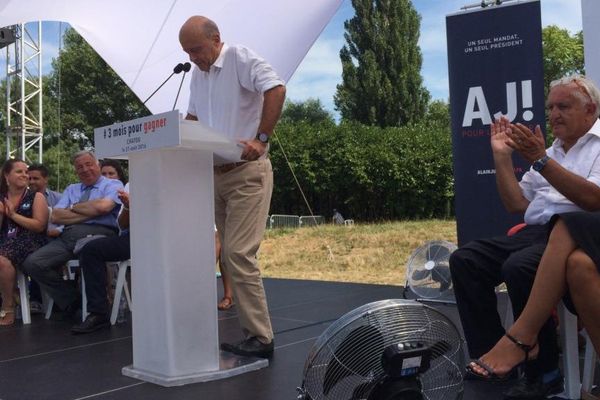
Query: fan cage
{"points": [[345, 362], [428, 270]]}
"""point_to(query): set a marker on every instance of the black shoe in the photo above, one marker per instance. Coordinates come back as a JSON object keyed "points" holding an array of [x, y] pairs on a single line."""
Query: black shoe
{"points": [[92, 323], [73, 312], [251, 347], [528, 389]]}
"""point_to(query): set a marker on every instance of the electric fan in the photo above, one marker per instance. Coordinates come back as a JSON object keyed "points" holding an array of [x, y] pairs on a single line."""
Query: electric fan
{"points": [[428, 271], [386, 350]]}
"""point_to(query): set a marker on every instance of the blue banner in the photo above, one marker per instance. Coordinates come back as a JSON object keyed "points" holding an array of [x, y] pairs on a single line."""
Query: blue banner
{"points": [[495, 68]]}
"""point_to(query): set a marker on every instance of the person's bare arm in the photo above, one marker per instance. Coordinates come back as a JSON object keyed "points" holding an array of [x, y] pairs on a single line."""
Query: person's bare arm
{"points": [[272, 106], [576, 188]]}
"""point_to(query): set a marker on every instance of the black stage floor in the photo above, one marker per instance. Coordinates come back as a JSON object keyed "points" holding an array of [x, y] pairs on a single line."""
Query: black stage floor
{"points": [[44, 361]]}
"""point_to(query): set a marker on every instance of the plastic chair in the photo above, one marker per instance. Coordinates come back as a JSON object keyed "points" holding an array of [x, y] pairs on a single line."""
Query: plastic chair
{"points": [[589, 367], [24, 297], [121, 286], [570, 352]]}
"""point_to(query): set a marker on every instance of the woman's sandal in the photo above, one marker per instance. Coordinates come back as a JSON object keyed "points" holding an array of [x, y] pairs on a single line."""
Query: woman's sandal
{"points": [[226, 303], [493, 376], [7, 317]]}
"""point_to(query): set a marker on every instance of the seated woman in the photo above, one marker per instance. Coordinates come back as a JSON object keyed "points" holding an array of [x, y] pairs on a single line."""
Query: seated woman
{"points": [[112, 169], [570, 267], [23, 216]]}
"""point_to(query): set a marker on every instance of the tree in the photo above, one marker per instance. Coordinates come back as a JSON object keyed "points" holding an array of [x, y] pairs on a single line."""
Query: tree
{"points": [[438, 112], [381, 64], [563, 53], [310, 111], [91, 93]]}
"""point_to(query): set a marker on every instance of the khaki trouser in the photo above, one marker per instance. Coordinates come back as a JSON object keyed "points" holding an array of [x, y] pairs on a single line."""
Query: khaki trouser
{"points": [[242, 199]]}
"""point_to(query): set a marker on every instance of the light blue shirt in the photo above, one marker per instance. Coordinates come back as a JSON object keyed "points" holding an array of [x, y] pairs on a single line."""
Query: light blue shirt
{"points": [[52, 197], [104, 188]]}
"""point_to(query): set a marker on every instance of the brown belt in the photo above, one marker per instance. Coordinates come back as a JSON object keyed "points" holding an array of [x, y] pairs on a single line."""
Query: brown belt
{"points": [[223, 169]]}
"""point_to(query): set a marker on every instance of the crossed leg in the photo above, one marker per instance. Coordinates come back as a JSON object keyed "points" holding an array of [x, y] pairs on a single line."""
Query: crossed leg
{"points": [[583, 280], [548, 288]]}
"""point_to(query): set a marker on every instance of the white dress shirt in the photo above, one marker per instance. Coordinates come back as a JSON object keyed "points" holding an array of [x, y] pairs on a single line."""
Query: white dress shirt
{"points": [[582, 159], [229, 96]]}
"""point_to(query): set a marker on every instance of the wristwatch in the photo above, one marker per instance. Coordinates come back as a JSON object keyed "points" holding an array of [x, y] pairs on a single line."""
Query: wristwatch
{"points": [[262, 137], [539, 165]]}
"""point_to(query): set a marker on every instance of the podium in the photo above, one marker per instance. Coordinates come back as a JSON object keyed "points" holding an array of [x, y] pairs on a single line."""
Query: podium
{"points": [[174, 322]]}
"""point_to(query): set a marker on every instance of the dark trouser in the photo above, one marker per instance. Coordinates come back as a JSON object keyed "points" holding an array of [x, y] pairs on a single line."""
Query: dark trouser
{"points": [[478, 267], [35, 294], [92, 260], [44, 265]]}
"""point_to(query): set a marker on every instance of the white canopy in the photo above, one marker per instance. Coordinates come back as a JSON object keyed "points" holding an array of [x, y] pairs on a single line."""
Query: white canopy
{"points": [[139, 38]]}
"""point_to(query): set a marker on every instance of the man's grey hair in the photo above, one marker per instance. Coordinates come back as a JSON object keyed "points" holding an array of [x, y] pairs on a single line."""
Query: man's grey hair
{"points": [[589, 92], [82, 153]]}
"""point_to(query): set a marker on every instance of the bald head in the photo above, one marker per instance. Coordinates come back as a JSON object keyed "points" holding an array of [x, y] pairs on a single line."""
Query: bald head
{"points": [[199, 26], [200, 38]]}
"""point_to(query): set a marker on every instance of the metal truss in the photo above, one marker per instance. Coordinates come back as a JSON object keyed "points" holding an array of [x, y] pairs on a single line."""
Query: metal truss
{"points": [[24, 123]]}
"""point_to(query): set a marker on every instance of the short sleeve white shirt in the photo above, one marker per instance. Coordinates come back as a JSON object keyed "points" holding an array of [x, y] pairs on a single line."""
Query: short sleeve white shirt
{"points": [[229, 97], [582, 159]]}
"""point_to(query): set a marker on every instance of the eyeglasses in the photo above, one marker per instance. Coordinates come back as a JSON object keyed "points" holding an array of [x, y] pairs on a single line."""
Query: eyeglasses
{"points": [[583, 88]]}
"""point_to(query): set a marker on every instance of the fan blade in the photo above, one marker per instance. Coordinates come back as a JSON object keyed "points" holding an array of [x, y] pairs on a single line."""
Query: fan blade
{"points": [[338, 367], [439, 348], [438, 252], [442, 276], [421, 274]]}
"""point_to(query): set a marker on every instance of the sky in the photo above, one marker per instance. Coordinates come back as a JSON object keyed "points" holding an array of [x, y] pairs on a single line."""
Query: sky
{"points": [[321, 70]]}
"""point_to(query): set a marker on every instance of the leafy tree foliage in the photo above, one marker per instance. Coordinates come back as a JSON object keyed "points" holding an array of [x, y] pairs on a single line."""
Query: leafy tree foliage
{"points": [[563, 53], [91, 93], [381, 64], [366, 172], [310, 111], [438, 111]]}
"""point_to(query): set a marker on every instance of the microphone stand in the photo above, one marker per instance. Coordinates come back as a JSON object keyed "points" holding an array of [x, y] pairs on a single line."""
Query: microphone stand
{"points": [[186, 68], [178, 68]]}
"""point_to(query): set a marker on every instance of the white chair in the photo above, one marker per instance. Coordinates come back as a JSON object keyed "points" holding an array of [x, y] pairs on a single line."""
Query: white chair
{"points": [[570, 352], [121, 285], [589, 368], [24, 297], [119, 288]]}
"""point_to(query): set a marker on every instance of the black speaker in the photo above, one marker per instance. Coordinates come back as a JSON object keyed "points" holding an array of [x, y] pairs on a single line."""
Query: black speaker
{"points": [[7, 36]]}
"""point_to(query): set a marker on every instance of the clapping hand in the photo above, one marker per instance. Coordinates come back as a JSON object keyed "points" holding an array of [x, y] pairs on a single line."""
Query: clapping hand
{"points": [[530, 145], [9, 208], [500, 140], [124, 197]]}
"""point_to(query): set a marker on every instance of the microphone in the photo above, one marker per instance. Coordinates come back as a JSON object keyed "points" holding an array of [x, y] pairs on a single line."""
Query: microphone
{"points": [[178, 68], [185, 67]]}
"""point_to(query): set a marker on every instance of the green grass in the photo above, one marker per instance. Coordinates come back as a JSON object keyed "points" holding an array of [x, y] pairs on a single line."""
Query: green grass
{"points": [[366, 253]]}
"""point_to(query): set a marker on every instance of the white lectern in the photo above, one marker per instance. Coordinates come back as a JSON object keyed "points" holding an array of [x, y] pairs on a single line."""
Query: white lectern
{"points": [[175, 327]]}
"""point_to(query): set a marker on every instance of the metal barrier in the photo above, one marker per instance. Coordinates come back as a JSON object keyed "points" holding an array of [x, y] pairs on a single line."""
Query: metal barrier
{"points": [[309, 220], [284, 221]]}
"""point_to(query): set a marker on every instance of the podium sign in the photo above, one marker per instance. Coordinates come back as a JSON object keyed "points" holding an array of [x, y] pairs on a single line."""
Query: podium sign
{"points": [[151, 132], [174, 319], [162, 131]]}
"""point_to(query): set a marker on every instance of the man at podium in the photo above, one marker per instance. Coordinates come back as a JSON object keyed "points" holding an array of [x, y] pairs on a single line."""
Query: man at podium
{"points": [[236, 92]]}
